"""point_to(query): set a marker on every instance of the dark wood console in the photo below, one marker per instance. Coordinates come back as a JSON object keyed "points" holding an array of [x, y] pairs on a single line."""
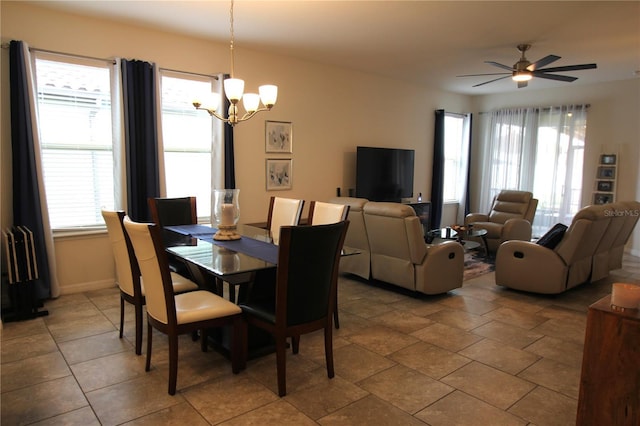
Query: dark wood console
{"points": [[610, 381], [423, 211]]}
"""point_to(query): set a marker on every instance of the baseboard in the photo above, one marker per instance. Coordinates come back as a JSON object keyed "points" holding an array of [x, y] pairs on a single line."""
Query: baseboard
{"points": [[90, 286], [634, 252]]}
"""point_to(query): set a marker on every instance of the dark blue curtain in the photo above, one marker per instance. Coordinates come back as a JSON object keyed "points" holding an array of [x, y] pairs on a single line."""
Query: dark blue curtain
{"points": [[437, 178], [27, 210], [229, 162], [141, 136], [467, 195]]}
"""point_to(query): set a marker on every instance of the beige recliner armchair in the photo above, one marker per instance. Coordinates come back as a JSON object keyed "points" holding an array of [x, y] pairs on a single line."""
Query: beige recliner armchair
{"points": [[585, 253], [510, 218], [400, 256], [359, 264]]}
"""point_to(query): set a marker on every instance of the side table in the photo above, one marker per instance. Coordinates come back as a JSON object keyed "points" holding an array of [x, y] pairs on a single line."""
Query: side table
{"points": [[450, 234], [610, 380]]}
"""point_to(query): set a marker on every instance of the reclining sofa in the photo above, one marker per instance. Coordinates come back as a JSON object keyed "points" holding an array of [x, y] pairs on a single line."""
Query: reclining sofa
{"points": [[396, 251], [592, 246]]}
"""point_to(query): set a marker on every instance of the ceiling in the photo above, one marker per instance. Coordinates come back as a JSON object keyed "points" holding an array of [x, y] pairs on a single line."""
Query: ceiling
{"points": [[423, 42]]}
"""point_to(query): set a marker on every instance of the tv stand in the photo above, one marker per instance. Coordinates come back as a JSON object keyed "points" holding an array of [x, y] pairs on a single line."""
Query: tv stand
{"points": [[423, 211]]}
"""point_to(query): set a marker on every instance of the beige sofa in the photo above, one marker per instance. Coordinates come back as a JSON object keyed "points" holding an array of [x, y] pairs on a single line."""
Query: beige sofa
{"points": [[400, 256], [591, 247], [510, 218]]}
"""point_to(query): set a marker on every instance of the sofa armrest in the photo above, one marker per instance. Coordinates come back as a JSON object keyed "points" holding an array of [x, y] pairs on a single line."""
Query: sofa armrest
{"points": [[476, 217], [442, 270], [523, 265], [516, 229]]}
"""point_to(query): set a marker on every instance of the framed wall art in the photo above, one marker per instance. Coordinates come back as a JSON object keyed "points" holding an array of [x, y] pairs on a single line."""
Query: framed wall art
{"points": [[609, 159], [599, 198], [278, 137], [604, 186], [279, 173], [605, 172]]}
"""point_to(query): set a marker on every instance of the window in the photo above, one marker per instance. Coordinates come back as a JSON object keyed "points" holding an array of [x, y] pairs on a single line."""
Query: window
{"points": [[76, 138], [539, 150], [456, 154], [188, 138]]}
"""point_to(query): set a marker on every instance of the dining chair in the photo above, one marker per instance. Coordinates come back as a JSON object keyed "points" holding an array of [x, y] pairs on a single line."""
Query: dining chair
{"points": [[170, 212], [321, 213], [182, 313], [128, 274], [306, 282], [173, 211], [283, 212]]}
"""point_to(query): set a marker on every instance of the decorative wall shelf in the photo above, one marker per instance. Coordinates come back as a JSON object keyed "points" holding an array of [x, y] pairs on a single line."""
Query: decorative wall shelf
{"points": [[606, 176]]}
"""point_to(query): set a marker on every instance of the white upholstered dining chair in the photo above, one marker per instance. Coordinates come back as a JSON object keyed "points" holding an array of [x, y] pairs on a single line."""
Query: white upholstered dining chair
{"points": [[182, 313], [283, 212], [131, 285]]}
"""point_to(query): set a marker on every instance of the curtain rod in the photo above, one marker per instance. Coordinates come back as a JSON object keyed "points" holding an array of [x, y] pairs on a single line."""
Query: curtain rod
{"points": [[537, 109], [190, 73], [112, 61], [72, 55]]}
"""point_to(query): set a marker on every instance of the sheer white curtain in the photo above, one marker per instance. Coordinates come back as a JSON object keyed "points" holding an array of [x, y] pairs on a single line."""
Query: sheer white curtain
{"points": [[46, 223], [539, 150]]}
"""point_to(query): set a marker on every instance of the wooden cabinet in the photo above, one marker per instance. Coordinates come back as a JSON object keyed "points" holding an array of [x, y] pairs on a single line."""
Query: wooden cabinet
{"points": [[610, 381], [423, 211]]}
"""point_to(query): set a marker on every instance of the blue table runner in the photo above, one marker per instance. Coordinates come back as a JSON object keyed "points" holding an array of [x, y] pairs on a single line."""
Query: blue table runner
{"points": [[245, 245]]}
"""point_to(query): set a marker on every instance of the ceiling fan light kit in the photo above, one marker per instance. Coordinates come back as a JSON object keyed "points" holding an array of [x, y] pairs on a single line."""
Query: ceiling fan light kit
{"points": [[523, 70]]}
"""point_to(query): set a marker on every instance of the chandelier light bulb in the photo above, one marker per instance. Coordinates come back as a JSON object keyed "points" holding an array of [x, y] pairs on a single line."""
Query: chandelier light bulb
{"points": [[233, 88], [251, 102], [268, 94]]}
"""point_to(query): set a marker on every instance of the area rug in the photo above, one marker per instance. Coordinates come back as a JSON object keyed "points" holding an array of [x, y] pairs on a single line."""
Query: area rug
{"points": [[475, 265]]}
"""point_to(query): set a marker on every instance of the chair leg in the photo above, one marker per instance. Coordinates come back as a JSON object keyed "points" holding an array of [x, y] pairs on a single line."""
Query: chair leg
{"points": [[281, 364], [173, 363], [328, 350], [336, 320], [295, 344], [149, 338], [138, 312], [238, 345], [204, 342], [121, 315]]}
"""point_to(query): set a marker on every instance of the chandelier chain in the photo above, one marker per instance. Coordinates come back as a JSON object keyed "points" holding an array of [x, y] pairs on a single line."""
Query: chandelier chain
{"points": [[232, 40]]}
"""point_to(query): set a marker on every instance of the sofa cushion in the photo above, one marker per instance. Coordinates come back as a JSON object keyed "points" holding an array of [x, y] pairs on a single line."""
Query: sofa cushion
{"points": [[553, 236]]}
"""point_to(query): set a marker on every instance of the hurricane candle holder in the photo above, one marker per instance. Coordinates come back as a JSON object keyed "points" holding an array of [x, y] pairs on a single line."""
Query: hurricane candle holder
{"points": [[226, 212]]}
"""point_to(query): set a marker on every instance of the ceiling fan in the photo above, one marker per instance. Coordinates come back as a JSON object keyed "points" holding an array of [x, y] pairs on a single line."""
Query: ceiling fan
{"points": [[523, 70]]}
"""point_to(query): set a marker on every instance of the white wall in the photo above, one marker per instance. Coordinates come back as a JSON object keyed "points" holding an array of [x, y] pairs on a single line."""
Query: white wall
{"points": [[613, 125], [332, 110]]}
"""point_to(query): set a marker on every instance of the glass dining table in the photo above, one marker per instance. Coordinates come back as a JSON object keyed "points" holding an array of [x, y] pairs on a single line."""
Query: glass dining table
{"points": [[195, 245], [213, 263]]}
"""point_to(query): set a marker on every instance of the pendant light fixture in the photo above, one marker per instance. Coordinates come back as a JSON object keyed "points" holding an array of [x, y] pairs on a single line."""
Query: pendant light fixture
{"points": [[234, 90]]}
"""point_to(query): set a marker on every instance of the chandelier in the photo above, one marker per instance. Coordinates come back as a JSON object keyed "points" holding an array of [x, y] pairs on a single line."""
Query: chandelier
{"points": [[234, 88]]}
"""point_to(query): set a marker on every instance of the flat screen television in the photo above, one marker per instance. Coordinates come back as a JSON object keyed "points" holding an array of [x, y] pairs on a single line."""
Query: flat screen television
{"points": [[384, 174]]}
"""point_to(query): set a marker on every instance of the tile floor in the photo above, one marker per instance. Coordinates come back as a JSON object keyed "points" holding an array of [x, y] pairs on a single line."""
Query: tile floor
{"points": [[481, 355]]}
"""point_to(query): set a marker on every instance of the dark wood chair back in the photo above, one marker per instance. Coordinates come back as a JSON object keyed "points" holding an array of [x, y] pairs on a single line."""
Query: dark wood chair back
{"points": [[306, 285], [173, 211]]}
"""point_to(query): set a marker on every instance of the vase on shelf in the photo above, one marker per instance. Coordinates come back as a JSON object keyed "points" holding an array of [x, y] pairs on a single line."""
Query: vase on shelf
{"points": [[225, 211]]}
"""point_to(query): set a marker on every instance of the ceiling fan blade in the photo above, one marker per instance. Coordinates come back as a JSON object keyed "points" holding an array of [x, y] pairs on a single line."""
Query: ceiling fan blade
{"points": [[479, 75], [490, 81], [570, 68], [542, 62], [522, 84], [496, 64], [554, 76]]}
